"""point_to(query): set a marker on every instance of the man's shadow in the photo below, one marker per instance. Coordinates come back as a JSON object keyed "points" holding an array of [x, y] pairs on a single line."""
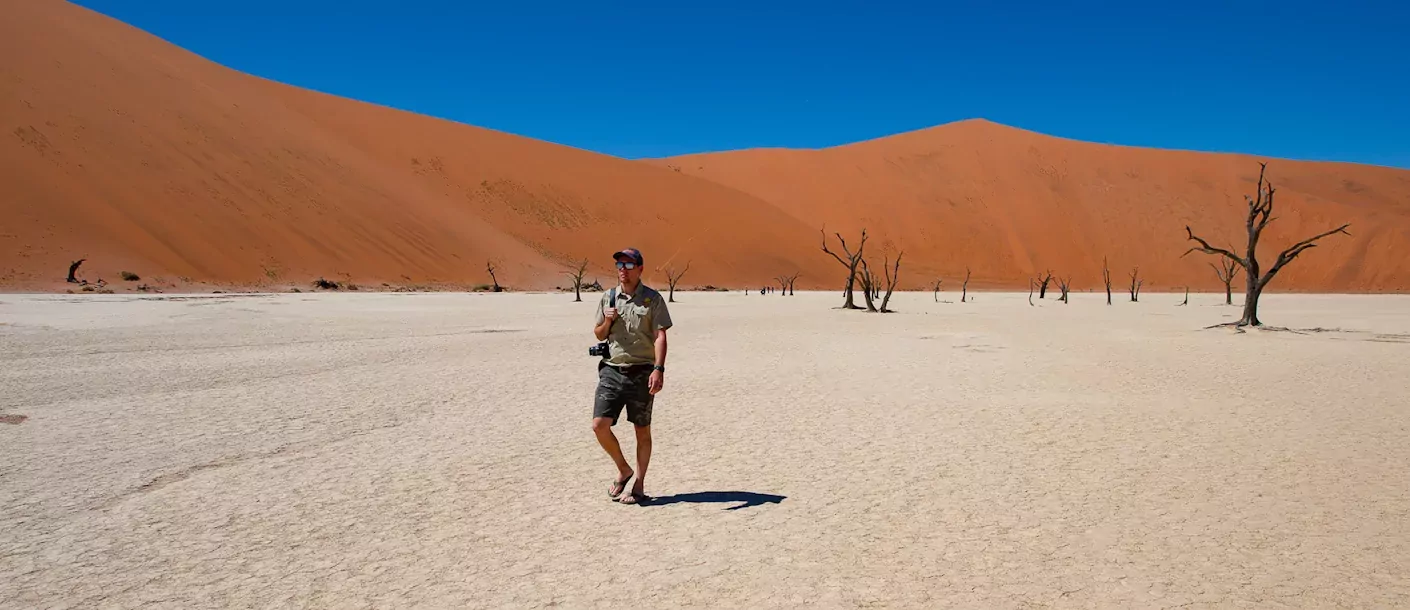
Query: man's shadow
{"points": [[745, 499]]}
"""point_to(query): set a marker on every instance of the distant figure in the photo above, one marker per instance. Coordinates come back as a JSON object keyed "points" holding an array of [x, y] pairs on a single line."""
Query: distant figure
{"points": [[633, 369], [73, 268]]}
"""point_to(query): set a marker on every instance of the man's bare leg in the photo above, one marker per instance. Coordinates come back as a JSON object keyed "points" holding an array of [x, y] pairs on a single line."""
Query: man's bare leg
{"points": [[643, 458], [602, 427]]}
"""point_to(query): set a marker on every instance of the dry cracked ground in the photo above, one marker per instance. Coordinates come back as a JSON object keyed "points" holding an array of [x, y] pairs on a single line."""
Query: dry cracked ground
{"points": [[433, 450]]}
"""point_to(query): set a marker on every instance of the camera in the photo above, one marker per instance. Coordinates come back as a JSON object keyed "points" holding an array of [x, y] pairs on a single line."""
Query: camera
{"points": [[600, 350]]}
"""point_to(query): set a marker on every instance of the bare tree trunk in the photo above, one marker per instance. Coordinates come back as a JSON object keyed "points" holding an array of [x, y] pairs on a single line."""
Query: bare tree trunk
{"points": [[1106, 277], [964, 290], [577, 275], [1260, 213], [1063, 285], [851, 263], [73, 268], [1135, 284], [893, 276], [489, 266], [868, 286], [1043, 289], [1187, 297], [1031, 284], [937, 289]]}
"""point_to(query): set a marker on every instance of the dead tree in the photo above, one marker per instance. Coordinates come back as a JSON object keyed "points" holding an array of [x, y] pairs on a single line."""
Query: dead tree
{"points": [[1136, 284], [673, 278], [577, 275], [868, 286], [893, 276], [1043, 289], [791, 280], [1031, 284], [1260, 213], [782, 284], [1226, 270], [1187, 297], [964, 289], [851, 262], [1063, 285], [489, 266], [937, 289], [1106, 277], [73, 268]]}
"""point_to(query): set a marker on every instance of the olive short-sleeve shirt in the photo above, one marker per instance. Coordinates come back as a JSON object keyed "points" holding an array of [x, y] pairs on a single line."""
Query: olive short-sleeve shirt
{"points": [[639, 317]]}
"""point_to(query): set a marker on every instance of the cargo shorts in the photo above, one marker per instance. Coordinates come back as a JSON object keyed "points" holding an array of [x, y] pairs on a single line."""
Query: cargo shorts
{"points": [[628, 388]]}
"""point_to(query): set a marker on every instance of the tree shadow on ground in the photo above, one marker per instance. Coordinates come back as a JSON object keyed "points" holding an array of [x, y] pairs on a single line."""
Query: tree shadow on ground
{"points": [[745, 499]]}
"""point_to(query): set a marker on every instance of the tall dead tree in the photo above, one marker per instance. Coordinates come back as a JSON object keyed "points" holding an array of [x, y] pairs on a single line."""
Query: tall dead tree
{"points": [[868, 282], [1043, 289], [73, 268], [964, 289], [673, 277], [1136, 284], [1063, 285], [851, 262], [1106, 277], [489, 266], [1260, 213], [937, 289], [791, 280], [893, 276], [577, 275], [1031, 285], [1226, 270], [1187, 297]]}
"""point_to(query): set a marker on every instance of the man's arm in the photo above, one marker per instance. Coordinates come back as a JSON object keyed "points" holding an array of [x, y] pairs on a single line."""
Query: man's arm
{"points": [[661, 347], [658, 378]]}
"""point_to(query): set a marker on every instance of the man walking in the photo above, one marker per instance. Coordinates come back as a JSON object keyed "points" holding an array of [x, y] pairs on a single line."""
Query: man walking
{"points": [[632, 319]]}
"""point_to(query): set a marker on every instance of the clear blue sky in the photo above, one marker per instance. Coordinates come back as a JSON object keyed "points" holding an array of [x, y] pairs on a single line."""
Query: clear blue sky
{"points": [[1306, 80]]}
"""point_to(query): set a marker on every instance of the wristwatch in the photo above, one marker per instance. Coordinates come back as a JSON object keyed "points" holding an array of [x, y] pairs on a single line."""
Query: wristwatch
{"points": [[658, 367]]}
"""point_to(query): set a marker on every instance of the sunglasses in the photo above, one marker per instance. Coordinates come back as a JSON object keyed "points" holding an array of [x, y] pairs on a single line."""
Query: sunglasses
{"points": [[625, 265]]}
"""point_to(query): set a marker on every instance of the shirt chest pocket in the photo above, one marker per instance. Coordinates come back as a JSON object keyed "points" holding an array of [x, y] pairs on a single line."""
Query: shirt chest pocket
{"points": [[636, 316]]}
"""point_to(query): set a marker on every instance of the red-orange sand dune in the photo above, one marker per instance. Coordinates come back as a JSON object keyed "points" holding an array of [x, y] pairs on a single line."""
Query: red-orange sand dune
{"points": [[132, 153], [140, 156], [1010, 203]]}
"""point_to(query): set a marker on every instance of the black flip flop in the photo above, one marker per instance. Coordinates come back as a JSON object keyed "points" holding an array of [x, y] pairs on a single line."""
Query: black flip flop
{"points": [[616, 483]]}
